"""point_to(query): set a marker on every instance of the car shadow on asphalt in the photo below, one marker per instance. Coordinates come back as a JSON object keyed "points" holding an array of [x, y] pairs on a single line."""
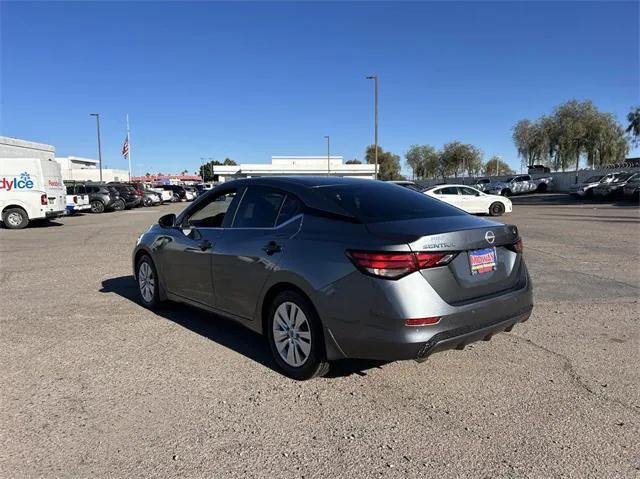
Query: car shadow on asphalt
{"points": [[564, 199], [226, 332]]}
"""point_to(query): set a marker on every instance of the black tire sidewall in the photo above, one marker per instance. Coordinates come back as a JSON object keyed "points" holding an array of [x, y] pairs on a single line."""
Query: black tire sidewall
{"points": [[156, 284], [316, 362], [21, 212], [500, 209], [100, 208]]}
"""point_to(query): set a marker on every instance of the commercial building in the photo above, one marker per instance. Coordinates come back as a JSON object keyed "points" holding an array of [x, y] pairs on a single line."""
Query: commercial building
{"points": [[169, 179], [15, 148], [295, 166], [87, 169]]}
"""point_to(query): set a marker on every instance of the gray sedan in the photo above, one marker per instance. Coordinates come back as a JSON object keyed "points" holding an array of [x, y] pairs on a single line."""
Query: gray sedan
{"points": [[334, 268]]}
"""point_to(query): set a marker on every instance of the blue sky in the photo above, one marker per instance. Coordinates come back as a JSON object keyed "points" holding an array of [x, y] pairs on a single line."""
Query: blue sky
{"points": [[250, 80]]}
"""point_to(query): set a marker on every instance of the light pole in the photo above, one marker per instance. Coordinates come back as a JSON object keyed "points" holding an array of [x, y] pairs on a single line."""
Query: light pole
{"points": [[375, 122], [328, 155], [97, 115]]}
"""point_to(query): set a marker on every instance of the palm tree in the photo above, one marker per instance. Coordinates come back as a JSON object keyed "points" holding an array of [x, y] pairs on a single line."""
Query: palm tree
{"points": [[634, 125]]}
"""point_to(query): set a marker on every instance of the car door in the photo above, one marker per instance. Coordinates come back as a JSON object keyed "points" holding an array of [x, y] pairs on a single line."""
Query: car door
{"points": [[186, 250], [250, 250], [449, 194], [472, 200]]}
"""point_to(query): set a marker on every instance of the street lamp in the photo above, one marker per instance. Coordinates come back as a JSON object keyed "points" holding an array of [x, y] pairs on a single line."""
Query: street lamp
{"points": [[97, 115], [375, 122], [328, 155]]}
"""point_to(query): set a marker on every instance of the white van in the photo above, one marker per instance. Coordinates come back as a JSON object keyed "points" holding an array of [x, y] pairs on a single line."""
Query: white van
{"points": [[30, 189]]}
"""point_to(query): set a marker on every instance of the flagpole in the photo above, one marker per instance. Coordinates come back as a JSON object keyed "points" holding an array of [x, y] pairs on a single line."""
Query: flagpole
{"points": [[129, 142]]}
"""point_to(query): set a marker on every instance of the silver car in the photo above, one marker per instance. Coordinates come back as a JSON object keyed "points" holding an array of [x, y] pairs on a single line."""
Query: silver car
{"points": [[585, 188], [333, 268]]}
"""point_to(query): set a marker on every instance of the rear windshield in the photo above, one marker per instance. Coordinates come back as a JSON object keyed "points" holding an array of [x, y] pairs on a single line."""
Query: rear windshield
{"points": [[377, 202], [623, 177]]}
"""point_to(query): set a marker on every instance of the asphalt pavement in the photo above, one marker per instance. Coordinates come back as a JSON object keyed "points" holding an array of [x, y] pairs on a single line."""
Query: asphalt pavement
{"points": [[94, 385]]}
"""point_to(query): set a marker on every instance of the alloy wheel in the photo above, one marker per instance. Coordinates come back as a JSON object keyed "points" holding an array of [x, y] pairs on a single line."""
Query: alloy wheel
{"points": [[292, 334], [15, 219], [146, 282]]}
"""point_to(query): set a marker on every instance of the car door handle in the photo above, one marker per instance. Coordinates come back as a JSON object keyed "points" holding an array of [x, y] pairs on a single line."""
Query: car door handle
{"points": [[272, 247], [205, 245]]}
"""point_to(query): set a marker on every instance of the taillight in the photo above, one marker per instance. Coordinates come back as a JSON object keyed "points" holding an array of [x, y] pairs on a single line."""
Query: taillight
{"points": [[422, 321], [44, 200], [394, 265], [75, 199], [517, 247]]}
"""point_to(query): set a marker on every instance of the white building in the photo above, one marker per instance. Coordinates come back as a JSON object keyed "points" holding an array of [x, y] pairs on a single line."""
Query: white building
{"points": [[87, 169], [295, 166], [15, 148]]}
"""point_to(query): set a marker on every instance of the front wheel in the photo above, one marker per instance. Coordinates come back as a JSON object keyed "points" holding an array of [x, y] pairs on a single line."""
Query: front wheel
{"points": [[119, 205], [295, 337], [147, 202], [496, 209], [97, 206], [15, 218]]}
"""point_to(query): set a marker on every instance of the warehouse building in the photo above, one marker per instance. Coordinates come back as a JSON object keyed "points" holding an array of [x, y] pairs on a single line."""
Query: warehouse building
{"points": [[77, 168], [15, 148]]}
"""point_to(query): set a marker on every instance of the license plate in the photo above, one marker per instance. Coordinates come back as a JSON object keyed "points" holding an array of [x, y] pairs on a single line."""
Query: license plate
{"points": [[482, 260]]}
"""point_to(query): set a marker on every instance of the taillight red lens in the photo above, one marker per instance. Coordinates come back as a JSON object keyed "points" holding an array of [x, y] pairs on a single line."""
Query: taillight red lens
{"points": [[43, 200], [393, 265], [75, 199], [518, 246], [421, 321]]}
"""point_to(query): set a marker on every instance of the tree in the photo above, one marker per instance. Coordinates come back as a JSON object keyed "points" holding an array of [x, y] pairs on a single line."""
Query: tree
{"points": [[423, 160], [184, 172], [353, 162], [388, 163], [459, 158], [496, 167], [229, 162], [634, 125], [147, 174]]}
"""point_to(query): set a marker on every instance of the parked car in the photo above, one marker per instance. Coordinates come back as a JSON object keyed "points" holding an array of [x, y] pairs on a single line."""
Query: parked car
{"points": [[151, 198], [77, 199], [407, 184], [130, 196], [614, 189], [585, 188], [104, 198], [165, 195], [30, 189], [518, 185], [632, 189], [179, 193], [194, 192], [331, 268], [203, 187], [471, 200], [482, 184]]}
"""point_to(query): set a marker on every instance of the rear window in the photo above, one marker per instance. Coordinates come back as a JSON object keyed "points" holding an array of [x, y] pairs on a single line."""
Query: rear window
{"points": [[377, 202]]}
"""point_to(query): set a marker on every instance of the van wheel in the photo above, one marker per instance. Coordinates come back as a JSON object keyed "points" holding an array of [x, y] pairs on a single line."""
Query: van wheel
{"points": [[496, 209], [97, 206], [295, 336], [15, 218]]}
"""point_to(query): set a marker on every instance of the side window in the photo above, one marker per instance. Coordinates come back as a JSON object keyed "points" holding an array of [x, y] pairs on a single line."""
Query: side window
{"points": [[290, 208], [92, 189], [69, 190], [259, 208], [449, 190], [467, 191], [81, 190], [212, 213]]}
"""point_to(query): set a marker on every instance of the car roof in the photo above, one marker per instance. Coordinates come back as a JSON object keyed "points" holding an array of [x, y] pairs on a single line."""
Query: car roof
{"points": [[455, 184]]}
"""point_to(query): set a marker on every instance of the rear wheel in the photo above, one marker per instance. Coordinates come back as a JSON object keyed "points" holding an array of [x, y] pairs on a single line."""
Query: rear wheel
{"points": [[496, 209], [295, 337], [97, 206], [542, 188], [148, 287], [15, 218]]}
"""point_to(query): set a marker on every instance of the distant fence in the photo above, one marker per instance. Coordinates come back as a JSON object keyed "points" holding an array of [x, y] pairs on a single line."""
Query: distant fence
{"points": [[562, 180]]}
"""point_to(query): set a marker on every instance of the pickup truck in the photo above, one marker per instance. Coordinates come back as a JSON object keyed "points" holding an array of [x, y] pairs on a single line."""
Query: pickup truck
{"points": [[519, 185]]}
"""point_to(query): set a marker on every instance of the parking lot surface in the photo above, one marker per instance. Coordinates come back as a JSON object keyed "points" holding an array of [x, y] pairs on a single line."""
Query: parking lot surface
{"points": [[93, 384]]}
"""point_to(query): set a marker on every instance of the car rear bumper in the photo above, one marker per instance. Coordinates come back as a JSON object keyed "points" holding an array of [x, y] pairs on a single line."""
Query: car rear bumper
{"points": [[462, 326]]}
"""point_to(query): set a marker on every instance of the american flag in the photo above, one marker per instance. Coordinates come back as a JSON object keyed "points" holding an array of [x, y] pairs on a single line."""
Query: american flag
{"points": [[125, 147]]}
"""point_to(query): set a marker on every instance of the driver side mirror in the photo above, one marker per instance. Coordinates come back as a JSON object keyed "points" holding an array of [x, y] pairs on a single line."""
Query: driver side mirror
{"points": [[167, 221]]}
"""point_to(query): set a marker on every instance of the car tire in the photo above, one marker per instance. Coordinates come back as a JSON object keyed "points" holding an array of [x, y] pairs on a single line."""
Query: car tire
{"points": [[506, 193], [147, 202], [589, 193], [97, 206], [542, 188], [295, 336], [119, 205], [496, 209], [148, 283], [15, 218]]}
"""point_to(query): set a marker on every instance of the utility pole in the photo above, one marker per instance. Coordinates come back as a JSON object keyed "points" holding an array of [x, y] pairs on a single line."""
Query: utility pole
{"points": [[375, 122], [328, 155], [97, 115]]}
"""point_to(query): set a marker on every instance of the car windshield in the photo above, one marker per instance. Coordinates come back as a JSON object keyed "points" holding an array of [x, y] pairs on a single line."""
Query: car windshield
{"points": [[376, 202], [622, 178], [593, 179]]}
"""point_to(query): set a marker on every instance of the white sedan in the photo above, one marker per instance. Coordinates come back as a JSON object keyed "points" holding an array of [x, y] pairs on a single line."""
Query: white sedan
{"points": [[471, 200]]}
